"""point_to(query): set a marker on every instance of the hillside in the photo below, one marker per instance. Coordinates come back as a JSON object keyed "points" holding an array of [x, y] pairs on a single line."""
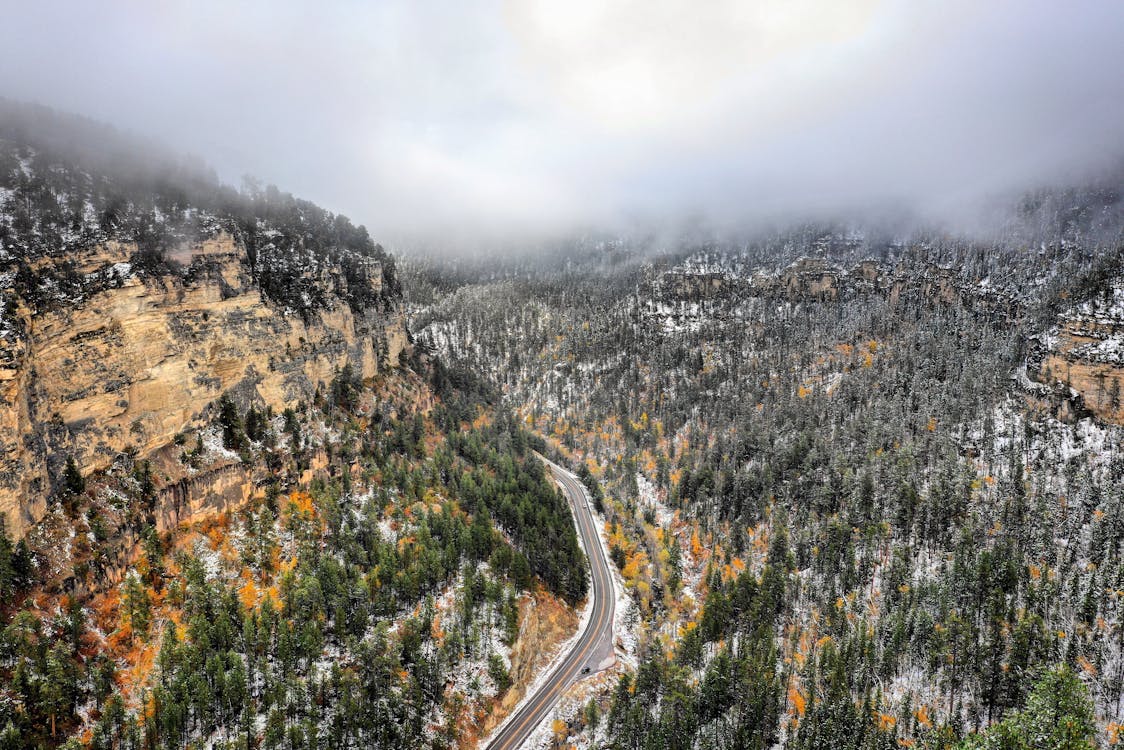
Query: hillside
{"points": [[863, 492], [133, 298], [240, 509], [264, 488]]}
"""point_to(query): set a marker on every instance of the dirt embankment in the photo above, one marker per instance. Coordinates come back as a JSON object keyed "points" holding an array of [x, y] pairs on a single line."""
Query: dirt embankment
{"points": [[545, 623]]}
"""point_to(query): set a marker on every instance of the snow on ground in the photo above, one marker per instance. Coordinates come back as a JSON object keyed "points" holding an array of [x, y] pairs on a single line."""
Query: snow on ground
{"points": [[692, 569], [626, 625], [567, 710], [626, 614], [649, 499], [470, 676], [209, 558], [1108, 350], [1086, 438], [1054, 444], [1103, 310], [386, 529], [675, 317], [212, 443]]}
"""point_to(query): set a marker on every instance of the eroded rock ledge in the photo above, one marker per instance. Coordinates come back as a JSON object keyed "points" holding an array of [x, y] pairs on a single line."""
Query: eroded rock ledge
{"points": [[130, 367]]}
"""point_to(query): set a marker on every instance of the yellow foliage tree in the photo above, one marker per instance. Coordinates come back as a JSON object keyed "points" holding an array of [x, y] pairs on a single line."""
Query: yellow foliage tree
{"points": [[796, 698]]}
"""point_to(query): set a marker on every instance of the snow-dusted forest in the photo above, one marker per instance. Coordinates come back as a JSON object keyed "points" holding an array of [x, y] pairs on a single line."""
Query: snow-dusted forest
{"points": [[852, 486]]}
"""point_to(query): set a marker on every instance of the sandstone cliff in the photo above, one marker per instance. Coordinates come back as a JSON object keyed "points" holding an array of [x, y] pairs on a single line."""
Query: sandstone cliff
{"points": [[817, 279], [134, 364], [1085, 354]]}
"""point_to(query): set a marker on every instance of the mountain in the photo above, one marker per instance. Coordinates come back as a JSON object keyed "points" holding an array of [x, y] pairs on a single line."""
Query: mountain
{"points": [[134, 298], [239, 507], [861, 488], [266, 486]]}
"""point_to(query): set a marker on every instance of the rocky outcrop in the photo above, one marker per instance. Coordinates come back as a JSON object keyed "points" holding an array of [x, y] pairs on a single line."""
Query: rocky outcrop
{"points": [[810, 278], [692, 286], [1085, 355], [134, 365], [819, 280]]}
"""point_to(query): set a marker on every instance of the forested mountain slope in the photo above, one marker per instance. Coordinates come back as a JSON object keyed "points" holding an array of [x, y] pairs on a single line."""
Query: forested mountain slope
{"points": [[137, 289], [240, 510], [850, 483]]}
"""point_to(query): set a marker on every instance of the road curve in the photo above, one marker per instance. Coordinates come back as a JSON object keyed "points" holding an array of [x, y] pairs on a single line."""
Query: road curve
{"points": [[593, 645]]}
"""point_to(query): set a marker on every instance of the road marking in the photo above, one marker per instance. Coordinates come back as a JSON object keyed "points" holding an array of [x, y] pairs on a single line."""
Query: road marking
{"points": [[563, 678]]}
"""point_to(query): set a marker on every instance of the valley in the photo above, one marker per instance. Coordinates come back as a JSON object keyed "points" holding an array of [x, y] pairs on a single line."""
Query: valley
{"points": [[267, 484], [240, 508], [852, 493]]}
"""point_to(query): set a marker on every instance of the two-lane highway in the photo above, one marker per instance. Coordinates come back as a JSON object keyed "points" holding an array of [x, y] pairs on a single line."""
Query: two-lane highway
{"points": [[593, 646]]}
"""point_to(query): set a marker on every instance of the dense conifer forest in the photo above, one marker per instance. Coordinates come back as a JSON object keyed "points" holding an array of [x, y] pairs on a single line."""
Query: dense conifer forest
{"points": [[307, 618], [851, 507]]}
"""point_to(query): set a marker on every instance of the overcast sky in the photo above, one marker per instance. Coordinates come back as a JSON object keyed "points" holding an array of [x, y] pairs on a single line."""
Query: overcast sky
{"points": [[418, 117]]}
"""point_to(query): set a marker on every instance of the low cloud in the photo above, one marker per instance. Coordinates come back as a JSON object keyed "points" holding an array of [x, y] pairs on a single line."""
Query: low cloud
{"points": [[434, 121]]}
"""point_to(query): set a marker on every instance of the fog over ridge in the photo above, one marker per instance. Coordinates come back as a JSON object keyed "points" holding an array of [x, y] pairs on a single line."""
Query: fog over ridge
{"points": [[437, 122]]}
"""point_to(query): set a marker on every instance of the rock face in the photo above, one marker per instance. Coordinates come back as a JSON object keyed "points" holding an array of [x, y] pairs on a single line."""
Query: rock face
{"points": [[1086, 354], [817, 279], [132, 366]]}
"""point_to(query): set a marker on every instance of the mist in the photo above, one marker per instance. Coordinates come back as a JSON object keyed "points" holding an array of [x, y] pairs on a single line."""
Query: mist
{"points": [[440, 124]]}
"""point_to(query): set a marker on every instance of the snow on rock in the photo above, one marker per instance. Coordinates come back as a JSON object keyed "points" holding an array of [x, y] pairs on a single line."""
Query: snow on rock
{"points": [[212, 444]]}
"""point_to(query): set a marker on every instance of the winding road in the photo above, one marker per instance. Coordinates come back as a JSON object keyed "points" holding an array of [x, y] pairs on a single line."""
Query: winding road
{"points": [[592, 650]]}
